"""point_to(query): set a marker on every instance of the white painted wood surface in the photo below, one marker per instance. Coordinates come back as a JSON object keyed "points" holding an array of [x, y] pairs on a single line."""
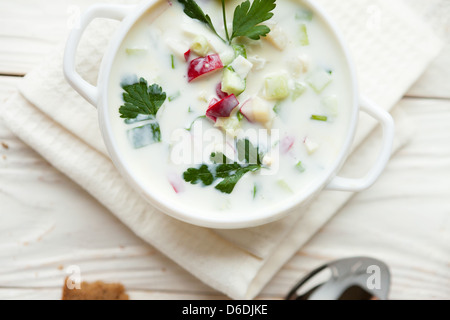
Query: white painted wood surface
{"points": [[56, 224]]}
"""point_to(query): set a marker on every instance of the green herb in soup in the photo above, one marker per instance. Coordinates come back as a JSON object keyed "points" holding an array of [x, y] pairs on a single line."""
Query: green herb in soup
{"points": [[247, 19], [225, 169]]}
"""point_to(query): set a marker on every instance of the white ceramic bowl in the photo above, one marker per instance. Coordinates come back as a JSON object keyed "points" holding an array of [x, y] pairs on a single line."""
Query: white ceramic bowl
{"points": [[98, 96]]}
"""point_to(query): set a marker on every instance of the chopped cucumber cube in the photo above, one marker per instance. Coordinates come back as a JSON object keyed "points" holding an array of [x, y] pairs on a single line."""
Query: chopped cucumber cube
{"points": [[200, 46], [299, 90], [277, 87], [135, 51], [319, 80], [227, 57], [304, 15], [283, 185], [232, 83], [139, 118], [241, 66], [230, 125], [331, 105], [239, 50], [143, 136], [303, 35]]}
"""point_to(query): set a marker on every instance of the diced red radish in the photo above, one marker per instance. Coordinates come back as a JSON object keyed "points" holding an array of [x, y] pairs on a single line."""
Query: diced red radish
{"points": [[286, 144], [219, 91], [176, 182], [201, 66], [247, 111], [187, 54], [222, 108]]}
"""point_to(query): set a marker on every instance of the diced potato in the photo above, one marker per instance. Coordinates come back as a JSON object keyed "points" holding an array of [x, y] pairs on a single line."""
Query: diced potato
{"points": [[202, 96], [261, 110], [277, 87], [311, 146], [277, 37], [300, 65], [200, 46], [267, 160], [319, 80], [258, 62], [242, 66]]}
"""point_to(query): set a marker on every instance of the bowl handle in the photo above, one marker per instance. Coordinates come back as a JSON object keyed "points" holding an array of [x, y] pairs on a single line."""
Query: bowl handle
{"points": [[346, 184], [85, 89]]}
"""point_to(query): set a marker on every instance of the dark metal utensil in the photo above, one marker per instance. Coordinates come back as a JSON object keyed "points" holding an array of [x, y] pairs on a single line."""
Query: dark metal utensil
{"points": [[359, 278]]}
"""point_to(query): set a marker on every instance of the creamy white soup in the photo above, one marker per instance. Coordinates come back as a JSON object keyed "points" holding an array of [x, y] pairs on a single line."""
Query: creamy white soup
{"points": [[229, 120]]}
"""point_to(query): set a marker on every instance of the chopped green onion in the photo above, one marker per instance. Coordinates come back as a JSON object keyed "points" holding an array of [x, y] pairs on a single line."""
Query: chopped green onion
{"points": [[300, 167], [172, 57], [174, 96], [190, 110], [240, 116], [193, 122], [304, 15], [319, 118], [255, 191]]}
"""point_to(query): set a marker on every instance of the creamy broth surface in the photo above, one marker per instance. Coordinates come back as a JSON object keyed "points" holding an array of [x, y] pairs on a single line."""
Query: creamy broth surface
{"points": [[298, 149]]}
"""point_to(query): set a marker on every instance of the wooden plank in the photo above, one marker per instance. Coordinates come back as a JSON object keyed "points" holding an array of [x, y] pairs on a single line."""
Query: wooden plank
{"points": [[416, 183], [26, 24], [402, 220], [29, 30]]}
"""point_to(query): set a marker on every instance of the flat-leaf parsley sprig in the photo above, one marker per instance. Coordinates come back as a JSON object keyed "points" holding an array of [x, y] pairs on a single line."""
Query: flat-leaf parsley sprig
{"points": [[247, 20], [225, 169]]}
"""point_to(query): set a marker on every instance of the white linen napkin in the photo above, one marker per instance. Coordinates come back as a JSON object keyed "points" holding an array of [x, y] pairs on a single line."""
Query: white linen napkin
{"points": [[55, 121]]}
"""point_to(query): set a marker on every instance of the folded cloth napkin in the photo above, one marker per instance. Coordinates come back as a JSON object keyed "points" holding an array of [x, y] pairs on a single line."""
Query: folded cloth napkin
{"points": [[55, 121]]}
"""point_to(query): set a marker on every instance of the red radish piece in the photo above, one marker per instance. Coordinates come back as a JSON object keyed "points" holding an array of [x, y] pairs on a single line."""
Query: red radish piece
{"points": [[247, 111], [222, 108], [286, 144], [176, 182], [219, 91], [201, 66], [187, 54]]}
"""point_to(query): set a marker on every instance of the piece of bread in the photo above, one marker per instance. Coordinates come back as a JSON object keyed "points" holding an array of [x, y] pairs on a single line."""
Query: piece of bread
{"points": [[95, 291]]}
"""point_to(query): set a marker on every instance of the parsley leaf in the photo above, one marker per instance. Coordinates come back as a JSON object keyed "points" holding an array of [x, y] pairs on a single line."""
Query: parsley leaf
{"points": [[229, 183], [192, 10], [141, 99], [202, 174], [247, 20], [226, 169]]}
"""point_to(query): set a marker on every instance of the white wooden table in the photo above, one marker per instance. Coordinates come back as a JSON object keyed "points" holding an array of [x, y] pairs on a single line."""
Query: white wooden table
{"points": [[47, 223]]}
